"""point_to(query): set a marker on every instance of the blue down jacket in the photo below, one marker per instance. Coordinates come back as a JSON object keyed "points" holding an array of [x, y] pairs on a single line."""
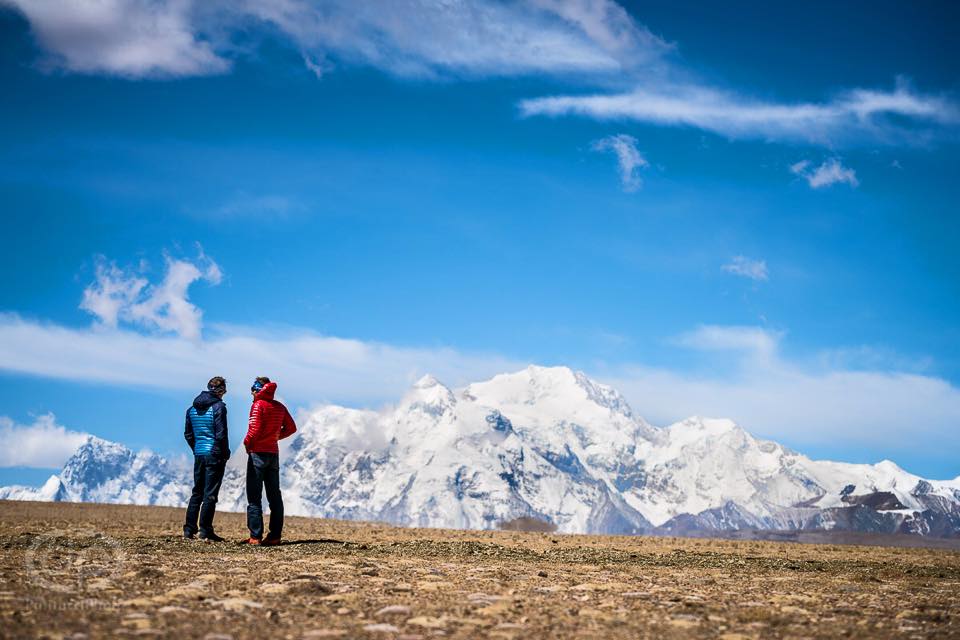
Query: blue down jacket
{"points": [[205, 429]]}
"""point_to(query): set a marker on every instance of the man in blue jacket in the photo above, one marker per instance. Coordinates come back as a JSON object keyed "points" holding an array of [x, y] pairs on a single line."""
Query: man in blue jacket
{"points": [[206, 433]]}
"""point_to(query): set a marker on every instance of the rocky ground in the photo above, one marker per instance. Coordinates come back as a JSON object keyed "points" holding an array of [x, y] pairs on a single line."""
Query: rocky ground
{"points": [[70, 570]]}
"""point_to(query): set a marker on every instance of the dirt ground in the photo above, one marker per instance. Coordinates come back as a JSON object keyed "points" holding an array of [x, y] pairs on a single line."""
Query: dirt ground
{"points": [[71, 570]]}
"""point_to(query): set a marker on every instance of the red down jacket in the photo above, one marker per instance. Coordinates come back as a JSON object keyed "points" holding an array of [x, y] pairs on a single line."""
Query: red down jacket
{"points": [[269, 422]]}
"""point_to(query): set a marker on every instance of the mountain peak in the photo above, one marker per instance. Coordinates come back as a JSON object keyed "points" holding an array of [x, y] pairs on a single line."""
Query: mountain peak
{"points": [[538, 383], [430, 396], [556, 372], [426, 382], [94, 459]]}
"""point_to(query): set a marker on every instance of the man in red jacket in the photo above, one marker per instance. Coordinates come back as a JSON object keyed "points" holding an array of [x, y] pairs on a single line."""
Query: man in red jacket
{"points": [[269, 422]]}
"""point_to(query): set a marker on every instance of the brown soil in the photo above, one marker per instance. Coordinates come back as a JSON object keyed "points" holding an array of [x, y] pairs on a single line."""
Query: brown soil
{"points": [[101, 570]]}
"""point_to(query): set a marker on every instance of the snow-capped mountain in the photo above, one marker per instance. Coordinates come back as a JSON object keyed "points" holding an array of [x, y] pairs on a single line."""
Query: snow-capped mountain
{"points": [[544, 443]]}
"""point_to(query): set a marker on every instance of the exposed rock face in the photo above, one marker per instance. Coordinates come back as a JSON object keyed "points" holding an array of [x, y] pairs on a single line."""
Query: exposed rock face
{"points": [[546, 444]]}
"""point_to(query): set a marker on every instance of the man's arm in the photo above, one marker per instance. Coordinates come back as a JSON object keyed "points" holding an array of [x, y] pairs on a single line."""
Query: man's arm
{"points": [[221, 440], [253, 426], [289, 427], [188, 431]]}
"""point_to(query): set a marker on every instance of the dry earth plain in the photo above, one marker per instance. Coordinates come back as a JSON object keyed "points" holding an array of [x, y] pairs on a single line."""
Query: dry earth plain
{"points": [[72, 570]]}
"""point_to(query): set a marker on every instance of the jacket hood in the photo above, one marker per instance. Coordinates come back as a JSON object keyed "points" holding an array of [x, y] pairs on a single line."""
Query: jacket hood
{"points": [[267, 392], [205, 400]]}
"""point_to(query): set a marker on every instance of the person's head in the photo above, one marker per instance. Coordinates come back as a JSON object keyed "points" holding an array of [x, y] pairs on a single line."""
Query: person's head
{"points": [[217, 386], [258, 384]]}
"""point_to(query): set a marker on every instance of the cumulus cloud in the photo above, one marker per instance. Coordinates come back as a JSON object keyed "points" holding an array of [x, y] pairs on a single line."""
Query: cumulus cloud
{"points": [[403, 37], [897, 116], [831, 171], [43, 444], [134, 38], [747, 268], [629, 159], [118, 295]]}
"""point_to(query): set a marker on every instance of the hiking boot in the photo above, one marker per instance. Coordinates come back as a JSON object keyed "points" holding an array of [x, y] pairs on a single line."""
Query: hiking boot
{"points": [[271, 542], [189, 536], [211, 537], [254, 541]]}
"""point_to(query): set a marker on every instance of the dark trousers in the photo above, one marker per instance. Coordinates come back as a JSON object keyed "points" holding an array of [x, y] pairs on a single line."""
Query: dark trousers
{"points": [[263, 473], [207, 477]]}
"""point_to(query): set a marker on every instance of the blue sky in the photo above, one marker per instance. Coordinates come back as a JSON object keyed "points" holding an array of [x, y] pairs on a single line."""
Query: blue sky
{"points": [[738, 210]]}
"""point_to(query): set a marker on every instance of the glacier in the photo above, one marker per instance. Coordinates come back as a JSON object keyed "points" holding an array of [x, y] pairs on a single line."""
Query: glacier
{"points": [[546, 443]]}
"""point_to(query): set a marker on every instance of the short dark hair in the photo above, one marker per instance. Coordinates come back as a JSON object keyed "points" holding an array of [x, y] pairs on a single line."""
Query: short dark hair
{"points": [[263, 379], [217, 384]]}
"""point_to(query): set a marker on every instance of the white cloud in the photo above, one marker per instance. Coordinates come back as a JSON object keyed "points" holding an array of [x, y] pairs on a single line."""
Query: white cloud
{"points": [[742, 374], [750, 340], [483, 37], [112, 293], [308, 367], [610, 26], [806, 404], [134, 38], [877, 115], [837, 397], [593, 42], [831, 171], [122, 295], [629, 158], [403, 37], [43, 444], [747, 267]]}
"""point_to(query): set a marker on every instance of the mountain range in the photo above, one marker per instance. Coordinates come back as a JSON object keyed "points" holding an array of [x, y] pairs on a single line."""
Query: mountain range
{"points": [[543, 444]]}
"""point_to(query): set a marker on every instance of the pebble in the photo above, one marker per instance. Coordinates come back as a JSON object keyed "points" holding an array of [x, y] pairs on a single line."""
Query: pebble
{"points": [[427, 622], [274, 588], [509, 625], [238, 604], [172, 609], [381, 628], [393, 609]]}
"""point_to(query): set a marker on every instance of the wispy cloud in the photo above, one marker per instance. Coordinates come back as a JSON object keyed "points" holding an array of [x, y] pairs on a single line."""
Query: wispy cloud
{"points": [[747, 268], [629, 159], [588, 42], [831, 171], [122, 295], [402, 37], [273, 205], [896, 116], [309, 367], [44, 443], [751, 340]]}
